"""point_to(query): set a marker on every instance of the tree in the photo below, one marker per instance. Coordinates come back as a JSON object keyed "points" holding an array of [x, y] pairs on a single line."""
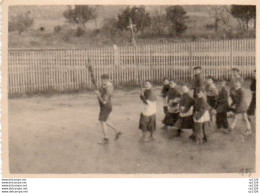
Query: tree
{"points": [[140, 17], [110, 27], [95, 14], [20, 22], [176, 15], [243, 14], [159, 23], [221, 15], [80, 15]]}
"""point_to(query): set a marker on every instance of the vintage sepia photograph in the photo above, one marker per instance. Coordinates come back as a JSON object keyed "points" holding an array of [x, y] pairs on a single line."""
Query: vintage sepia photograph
{"points": [[131, 89]]}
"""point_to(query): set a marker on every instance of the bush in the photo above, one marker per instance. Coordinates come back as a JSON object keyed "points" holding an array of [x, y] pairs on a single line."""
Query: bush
{"points": [[158, 24], [210, 26], [66, 33], [110, 27], [177, 16], [20, 22], [57, 29], [79, 32], [139, 16], [96, 32], [79, 15], [66, 37]]}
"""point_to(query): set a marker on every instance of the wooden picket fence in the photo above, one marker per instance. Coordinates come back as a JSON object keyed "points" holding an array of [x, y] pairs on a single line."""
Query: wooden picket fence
{"points": [[43, 70]]}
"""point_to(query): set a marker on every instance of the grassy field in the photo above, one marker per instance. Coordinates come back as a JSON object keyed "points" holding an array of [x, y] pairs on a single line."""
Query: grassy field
{"points": [[59, 134]]}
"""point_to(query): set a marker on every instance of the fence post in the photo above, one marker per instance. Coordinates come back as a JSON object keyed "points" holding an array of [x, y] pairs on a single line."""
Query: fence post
{"points": [[191, 59], [231, 57], [136, 72], [231, 53], [150, 59], [116, 63], [116, 55]]}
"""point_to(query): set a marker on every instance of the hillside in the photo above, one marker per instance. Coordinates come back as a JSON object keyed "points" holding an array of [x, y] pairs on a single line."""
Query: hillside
{"points": [[48, 17]]}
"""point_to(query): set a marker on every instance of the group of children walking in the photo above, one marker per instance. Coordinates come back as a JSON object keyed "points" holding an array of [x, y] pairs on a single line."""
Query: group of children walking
{"points": [[184, 111]]}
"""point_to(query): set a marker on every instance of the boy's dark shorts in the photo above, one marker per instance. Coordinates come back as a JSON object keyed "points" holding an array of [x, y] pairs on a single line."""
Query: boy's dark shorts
{"points": [[147, 123], [104, 114], [185, 122]]}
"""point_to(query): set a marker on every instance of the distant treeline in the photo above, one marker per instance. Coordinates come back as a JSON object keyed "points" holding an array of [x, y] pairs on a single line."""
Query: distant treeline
{"points": [[171, 22]]}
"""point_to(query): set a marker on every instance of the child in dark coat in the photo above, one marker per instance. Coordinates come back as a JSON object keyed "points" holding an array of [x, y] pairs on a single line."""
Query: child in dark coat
{"points": [[222, 106], [212, 94], [201, 118], [197, 83], [164, 92], [173, 98], [185, 120], [252, 106]]}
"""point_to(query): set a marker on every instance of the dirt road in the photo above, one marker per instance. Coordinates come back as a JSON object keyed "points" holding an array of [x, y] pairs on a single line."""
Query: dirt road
{"points": [[59, 134]]}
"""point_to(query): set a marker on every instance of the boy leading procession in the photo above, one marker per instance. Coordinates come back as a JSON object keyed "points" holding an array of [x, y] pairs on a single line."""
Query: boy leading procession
{"points": [[104, 95]]}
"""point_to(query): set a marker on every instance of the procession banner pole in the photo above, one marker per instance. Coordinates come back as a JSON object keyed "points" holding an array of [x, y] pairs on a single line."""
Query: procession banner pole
{"points": [[91, 73]]}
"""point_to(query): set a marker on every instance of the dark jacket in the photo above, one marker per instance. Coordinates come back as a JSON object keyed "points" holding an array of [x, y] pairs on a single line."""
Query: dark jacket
{"points": [[148, 95], [200, 107], [222, 100], [240, 101], [197, 82], [253, 85], [172, 94], [165, 90], [186, 101]]}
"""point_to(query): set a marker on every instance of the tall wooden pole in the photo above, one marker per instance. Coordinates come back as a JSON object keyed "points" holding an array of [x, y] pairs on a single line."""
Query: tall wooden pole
{"points": [[131, 27]]}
